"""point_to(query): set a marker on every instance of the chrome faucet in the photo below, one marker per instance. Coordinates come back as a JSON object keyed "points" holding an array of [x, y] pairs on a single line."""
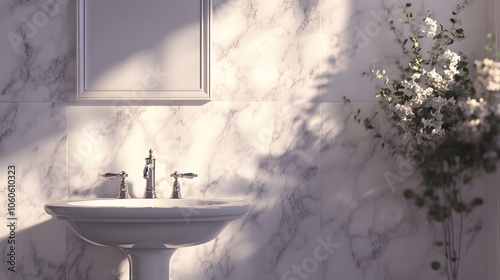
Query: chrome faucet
{"points": [[149, 175]]}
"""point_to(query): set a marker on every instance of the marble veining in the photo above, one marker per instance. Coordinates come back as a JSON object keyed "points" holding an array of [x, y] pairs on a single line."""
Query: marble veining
{"points": [[265, 50], [35, 51]]}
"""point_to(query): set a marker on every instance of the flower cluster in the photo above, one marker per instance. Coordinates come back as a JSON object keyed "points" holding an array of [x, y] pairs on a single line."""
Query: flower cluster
{"points": [[428, 29], [439, 105]]}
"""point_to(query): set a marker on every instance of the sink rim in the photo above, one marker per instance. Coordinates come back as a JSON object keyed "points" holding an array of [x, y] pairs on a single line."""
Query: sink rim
{"points": [[216, 209]]}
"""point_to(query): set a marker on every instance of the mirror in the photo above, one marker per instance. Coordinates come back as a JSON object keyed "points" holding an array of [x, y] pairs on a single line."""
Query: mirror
{"points": [[143, 49]]}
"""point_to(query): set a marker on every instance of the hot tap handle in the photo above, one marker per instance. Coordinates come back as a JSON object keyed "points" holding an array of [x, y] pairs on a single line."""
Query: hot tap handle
{"points": [[123, 185], [189, 175]]}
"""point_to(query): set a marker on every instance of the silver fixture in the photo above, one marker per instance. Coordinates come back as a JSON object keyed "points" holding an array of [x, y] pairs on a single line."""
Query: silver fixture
{"points": [[123, 185], [149, 175], [176, 189]]}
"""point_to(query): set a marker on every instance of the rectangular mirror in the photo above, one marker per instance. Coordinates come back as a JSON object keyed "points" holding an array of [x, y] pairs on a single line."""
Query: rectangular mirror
{"points": [[143, 49]]}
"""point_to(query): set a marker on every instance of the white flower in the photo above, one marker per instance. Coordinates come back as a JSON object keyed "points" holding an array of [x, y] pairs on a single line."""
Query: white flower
{"points": [[451, 60], [437, 80], [488, 75], [429, 28], [472, 107], [440, 102], [438, 132], [411, 86], [452, 57], [422, 98], [434, 122], [404, 111]]}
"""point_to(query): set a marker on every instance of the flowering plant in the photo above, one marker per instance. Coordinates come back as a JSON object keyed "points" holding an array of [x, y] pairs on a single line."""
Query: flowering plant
{"points": [[445, 117]]}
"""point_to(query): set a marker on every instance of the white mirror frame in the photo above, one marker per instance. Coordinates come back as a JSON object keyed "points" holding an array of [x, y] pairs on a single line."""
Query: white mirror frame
{"points": [[200, 91]]}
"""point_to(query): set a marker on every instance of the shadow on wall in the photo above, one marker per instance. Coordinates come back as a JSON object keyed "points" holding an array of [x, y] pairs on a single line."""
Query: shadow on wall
{"points": [[38, 252], [50, 249]]}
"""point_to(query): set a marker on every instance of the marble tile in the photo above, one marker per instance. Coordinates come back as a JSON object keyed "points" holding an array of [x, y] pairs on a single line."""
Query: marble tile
{"points": [[111, 139], [267, 153], [33, 141], [36, 53], [381, 235], [265, 50]]}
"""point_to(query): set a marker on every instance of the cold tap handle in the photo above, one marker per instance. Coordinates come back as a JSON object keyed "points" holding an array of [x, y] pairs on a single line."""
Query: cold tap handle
{"points": [[114, 175]]}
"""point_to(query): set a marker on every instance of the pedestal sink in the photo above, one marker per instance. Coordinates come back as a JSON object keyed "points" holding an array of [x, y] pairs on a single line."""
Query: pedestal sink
{"points": [[148, 230]]}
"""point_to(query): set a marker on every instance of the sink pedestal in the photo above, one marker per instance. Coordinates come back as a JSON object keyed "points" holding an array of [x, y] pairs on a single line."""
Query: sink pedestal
{"points": [[149, 263]]}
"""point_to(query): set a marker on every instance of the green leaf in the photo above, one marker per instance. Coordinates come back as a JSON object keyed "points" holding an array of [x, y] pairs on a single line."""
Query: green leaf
{"points": [[478, 201], [460, 207], [435, 265], [419, 202], [429, 192], [368, 124], [467, 179], [409, 194], [408, 5], [490, 167]]}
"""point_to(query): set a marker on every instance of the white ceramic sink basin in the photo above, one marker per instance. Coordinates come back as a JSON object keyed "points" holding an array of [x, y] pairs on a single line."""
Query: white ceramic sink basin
{"points": [[127, 223], [148, 230]]}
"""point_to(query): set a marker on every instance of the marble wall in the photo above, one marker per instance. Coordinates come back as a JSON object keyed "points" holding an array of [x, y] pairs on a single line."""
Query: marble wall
{"points": [[276, 133]]}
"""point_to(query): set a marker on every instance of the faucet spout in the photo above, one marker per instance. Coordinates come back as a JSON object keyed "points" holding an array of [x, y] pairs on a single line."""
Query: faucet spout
{"points": [[149, 175]]}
